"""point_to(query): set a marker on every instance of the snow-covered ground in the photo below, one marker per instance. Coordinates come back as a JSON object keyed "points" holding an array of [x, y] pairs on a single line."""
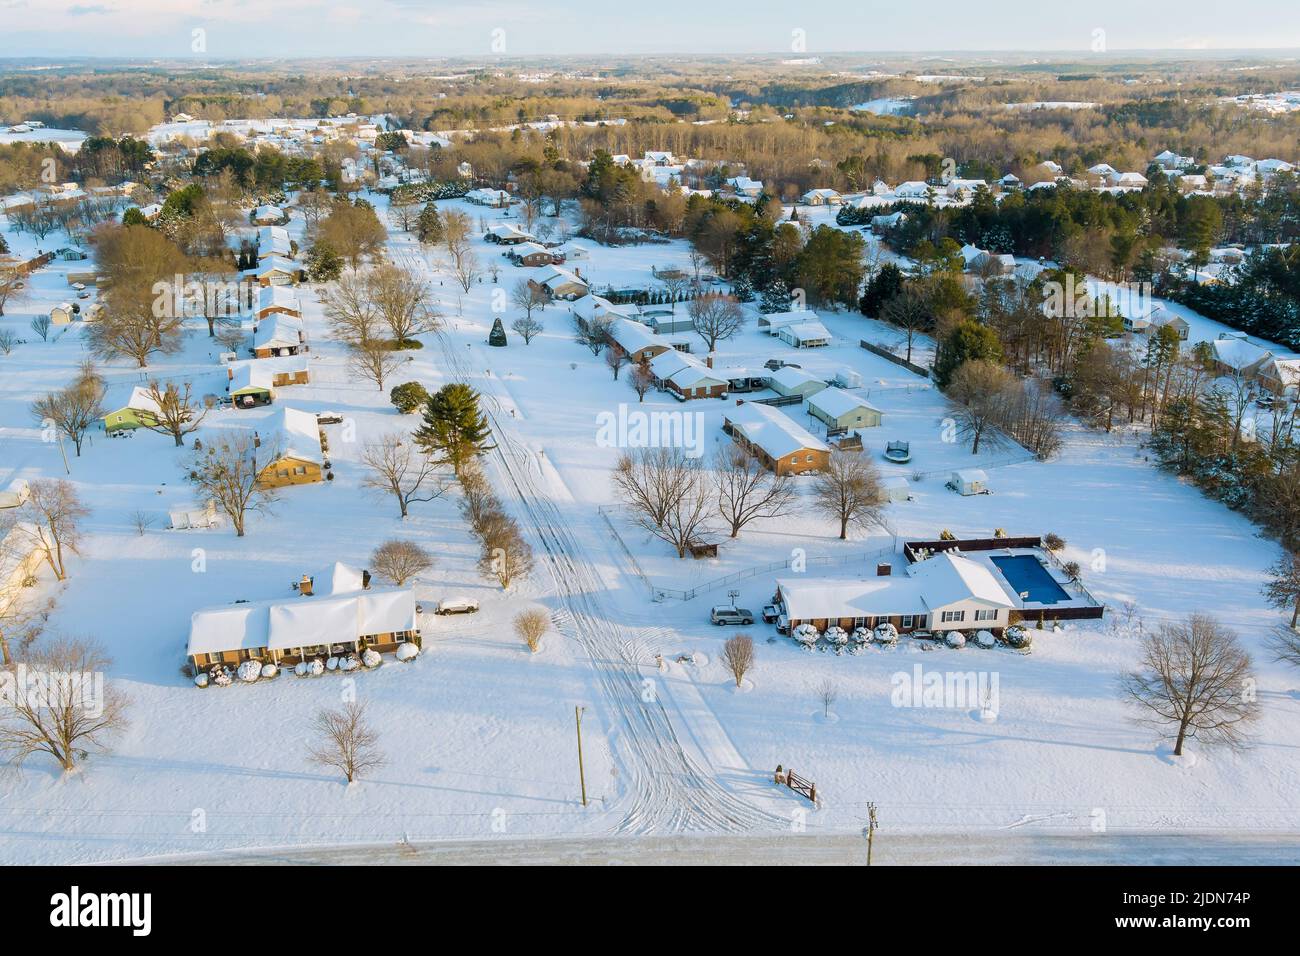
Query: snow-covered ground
{"points": [[480, 734]]}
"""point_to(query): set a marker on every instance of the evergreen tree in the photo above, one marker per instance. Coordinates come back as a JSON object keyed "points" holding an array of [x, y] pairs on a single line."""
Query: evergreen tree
{"points": [[429, 227], [966, 341], [776, 298], [497, 337], [454, 430], [883, 286], [323, 263]]}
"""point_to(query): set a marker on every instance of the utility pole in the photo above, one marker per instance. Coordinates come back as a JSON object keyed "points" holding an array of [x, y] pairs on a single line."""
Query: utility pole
{"points": [[582, 777], [870, 829]]}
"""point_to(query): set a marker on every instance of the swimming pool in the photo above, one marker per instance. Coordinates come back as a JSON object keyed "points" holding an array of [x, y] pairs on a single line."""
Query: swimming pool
{"points": [[1026, 575]]}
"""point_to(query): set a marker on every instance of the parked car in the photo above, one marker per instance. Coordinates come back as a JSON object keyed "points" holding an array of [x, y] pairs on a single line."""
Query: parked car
{"points": [[456, 605], [777, 364], [731, 615], [1265, 401], [771, 614]]}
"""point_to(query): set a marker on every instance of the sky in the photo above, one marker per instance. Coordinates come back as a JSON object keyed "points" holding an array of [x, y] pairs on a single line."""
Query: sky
{"points": [[231, 29]]}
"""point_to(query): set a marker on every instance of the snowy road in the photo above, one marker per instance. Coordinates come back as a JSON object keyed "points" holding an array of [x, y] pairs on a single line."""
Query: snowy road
{"points": [[793, 849], [672, 792]]}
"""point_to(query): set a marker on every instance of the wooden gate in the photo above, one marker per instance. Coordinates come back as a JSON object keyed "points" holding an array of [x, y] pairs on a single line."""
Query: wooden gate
{"points": [[798, 784]]}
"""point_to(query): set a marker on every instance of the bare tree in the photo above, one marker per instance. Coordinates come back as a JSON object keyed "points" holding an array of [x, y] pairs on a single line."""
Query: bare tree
{"points": [[346, 741], [135, 324], [526, 296], [178, 414], [399, 561], [848, 491], [828, 694], [668, 492], [505, 554], [1285, 645], [349, 309], [715, 318], [75, 711], [12, 285], [226, 472], [531, 626], [1194, 680], [41, 326], [982, 391], [74, 409], [400, 295], [908, 311], [373, 360], [398, 468], [54, 514], [738, 656], [594, 333], [527, 328], [19, 620], [1282, 589], [615, 359], [9, 341], [141, 521], [458, 239], [642, 378], [747, 490]]}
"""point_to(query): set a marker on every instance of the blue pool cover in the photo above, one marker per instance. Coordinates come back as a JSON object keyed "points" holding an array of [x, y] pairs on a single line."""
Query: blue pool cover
{"points": [[1026, 574]]}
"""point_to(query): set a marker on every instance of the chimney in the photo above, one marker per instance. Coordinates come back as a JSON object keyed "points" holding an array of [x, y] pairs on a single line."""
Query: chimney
{"points": [[577, 272], [305, 586], [708, 360]]}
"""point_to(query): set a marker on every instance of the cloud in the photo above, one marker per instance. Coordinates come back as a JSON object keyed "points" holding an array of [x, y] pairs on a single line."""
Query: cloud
{"points": [[90, 10]]}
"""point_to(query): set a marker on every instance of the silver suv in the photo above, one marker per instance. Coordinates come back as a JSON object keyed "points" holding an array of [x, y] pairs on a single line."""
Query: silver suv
{"points": [[731, 615]]}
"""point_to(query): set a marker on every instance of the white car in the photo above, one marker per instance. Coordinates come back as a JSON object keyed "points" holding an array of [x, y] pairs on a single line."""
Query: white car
{"points": [[456, 605]]}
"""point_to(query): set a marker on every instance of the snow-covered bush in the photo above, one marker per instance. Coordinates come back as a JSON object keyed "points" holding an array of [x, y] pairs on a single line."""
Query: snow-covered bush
{"points": [[332, 664], [955, 639], [985, 638], [407, 652], [250, 671], [301, 669], [201, 679], [806, 635], [836, 636], [316, 667], [221, 677], [349, 663], [886, 633], [269, 671], [371, 657], [1019, 637], [862, 635]]}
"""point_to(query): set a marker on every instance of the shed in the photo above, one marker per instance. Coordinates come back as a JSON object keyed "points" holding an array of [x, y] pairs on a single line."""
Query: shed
{"points": [[969, 481], [896, 488], [838, 409]]}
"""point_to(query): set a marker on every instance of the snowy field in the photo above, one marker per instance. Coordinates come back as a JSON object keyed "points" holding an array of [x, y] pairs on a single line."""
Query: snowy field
{"points": [[480, 735]]}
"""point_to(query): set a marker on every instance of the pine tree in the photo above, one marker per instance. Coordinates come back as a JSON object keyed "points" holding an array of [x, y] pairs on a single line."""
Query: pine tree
{"points": [[429, 226], [454, 430], [776, 298], [497, 337]]}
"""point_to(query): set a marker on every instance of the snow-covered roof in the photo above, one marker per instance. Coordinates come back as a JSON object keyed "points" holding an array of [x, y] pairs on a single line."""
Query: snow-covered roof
{"points": [[836, 402], [275, 264], [278, 330], [1237, 353], [806, 331], [772, 430], [789, 377], [970, 475], [298, 435], [947, 578], [302, 622], [277, 297], [273, 241]]}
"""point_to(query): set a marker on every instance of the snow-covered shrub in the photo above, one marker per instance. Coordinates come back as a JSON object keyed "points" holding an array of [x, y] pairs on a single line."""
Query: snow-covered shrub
{"points": [[316, 667], [349, 663], [201, 679], [985, 638], [955, 639], [221, 677], [371, 657], [806, 635], [270, 670], [301, 669], [332, 664], [407, 652], [1019, 637], [250, 671], [836, 636], [862, 635], [886, 633]]}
